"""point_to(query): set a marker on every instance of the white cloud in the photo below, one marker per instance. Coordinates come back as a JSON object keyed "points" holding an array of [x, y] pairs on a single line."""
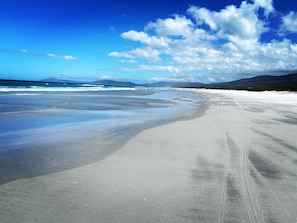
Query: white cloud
{"points": [[129, 61], [221, 45], [68, 57], [267, 5], [145, 38], [157, 68], [290, 22], [174, 78], [147, 53], [231, 23], [116, 54], [169, 68], [65, 57], [52, 55], [177, 26]]}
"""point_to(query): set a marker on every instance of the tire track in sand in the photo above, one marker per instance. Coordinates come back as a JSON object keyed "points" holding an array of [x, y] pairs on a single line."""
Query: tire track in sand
{"points": [[253, 214], [272, 193], [222, 207]]}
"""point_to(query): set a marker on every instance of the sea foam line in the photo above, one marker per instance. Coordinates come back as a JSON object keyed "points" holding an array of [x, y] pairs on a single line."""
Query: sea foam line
{"points": [[45, 89]]}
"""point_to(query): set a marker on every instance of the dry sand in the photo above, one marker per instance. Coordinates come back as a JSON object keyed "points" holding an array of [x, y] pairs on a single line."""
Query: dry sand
{"points": [[235, 163]]}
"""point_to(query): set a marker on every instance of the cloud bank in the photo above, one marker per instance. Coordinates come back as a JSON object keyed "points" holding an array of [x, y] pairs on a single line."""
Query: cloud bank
{"points": [[235, 42]]}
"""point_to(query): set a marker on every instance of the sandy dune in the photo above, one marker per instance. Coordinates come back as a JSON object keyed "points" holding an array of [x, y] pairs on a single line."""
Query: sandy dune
{"points": [[235, 163]]}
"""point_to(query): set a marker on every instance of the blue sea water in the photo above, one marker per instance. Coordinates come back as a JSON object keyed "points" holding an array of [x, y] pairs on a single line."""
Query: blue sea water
{"points": [[44, 130]]}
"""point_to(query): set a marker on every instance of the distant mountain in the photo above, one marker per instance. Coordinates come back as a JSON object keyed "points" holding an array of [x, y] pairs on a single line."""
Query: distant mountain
{"points": [[115, 83], [259, 83], [55, 80]]}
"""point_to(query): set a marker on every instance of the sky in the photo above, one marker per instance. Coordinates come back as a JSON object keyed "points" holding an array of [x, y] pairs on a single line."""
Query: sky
{"points": [[144, 41]]}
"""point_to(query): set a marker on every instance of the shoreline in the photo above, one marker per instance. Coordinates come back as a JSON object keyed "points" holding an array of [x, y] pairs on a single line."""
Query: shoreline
{"points": [[70, 139], [236, 162]]}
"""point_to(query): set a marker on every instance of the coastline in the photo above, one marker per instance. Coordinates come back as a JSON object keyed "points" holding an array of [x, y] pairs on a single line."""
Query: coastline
{"points": [[236, 162], [53, 131]]}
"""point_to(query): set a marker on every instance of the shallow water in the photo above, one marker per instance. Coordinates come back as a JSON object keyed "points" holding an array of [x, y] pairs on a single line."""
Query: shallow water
{"points": [[47, 131], [24, 111]]}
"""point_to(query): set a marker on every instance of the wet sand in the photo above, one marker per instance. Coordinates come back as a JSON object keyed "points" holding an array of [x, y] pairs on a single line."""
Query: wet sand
{"points": [[235, 163]]}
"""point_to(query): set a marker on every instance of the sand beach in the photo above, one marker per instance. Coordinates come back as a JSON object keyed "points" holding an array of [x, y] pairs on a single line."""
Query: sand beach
{"points": [[235, 161]]}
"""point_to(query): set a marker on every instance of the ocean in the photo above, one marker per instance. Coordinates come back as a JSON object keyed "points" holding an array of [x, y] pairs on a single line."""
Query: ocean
{"points": [[48, 129]]}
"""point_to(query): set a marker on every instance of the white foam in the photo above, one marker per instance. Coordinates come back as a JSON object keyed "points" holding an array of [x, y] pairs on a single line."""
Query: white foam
{"points": [[45, 89], [21, 94]]}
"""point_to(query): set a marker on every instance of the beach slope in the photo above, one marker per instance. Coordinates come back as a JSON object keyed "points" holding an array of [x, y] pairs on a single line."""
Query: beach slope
{"points": [[235, 163]]}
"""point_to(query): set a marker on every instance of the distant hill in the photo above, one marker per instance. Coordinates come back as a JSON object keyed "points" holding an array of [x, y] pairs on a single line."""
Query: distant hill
{"points": [[115, 83], [55, 80], [259, 83]]}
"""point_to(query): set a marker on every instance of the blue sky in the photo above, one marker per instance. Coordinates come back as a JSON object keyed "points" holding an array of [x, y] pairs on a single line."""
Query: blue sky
{"points": [[141, 41]]}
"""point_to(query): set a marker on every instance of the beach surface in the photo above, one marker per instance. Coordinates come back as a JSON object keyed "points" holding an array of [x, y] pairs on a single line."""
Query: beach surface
{"points": [[236, 162]]}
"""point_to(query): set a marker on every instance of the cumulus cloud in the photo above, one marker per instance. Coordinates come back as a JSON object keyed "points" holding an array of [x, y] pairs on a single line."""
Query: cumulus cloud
{"points": [[290, 22], [267, 5], [145, 38], [176, 26], [222, 45], [232, 23], [148, 53]]}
